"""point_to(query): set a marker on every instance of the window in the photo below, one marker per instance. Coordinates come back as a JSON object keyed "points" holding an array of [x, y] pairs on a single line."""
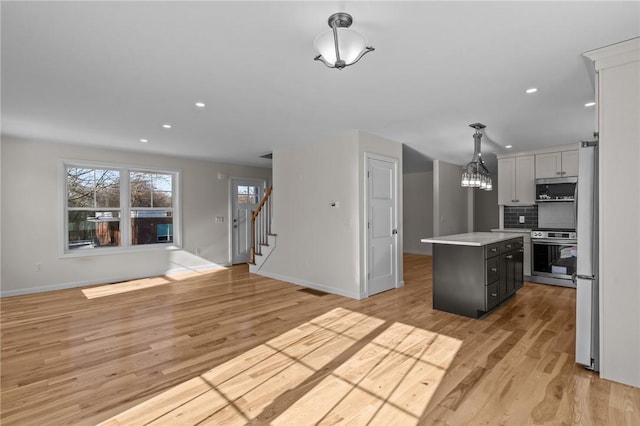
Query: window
{"points": [[118, 207], [248, 194], [151, 206]]}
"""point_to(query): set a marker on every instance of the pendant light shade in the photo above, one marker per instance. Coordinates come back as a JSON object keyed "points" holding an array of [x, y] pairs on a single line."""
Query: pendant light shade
{"points": [[340, 46], [475, 174]]}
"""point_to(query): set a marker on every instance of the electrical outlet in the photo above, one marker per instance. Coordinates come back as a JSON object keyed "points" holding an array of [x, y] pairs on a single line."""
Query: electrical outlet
{"points": [[38, 267], [521, 219]]}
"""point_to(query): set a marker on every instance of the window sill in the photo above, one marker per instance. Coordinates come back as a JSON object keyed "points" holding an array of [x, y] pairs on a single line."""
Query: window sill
{"points": [[97, 252]]}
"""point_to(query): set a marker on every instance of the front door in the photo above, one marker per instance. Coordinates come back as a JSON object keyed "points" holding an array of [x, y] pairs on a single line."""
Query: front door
{"points": [[382, 233], [246, 195]]}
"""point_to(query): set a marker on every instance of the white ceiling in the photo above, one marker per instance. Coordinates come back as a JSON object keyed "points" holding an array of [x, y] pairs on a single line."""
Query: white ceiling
{"points": [[111, 73]]}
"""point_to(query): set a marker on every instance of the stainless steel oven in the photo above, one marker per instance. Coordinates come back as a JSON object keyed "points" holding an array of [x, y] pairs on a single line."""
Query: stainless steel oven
{"points": [[554, 255]]}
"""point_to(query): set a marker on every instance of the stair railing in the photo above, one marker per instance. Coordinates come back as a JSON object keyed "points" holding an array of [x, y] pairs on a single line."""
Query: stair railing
{"points": [[260, 225]]}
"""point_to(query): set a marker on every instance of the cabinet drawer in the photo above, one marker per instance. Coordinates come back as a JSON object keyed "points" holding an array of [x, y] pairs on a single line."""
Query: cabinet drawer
{"points": [[493, 271], [492, 250], [491, 297], [509, 245]]}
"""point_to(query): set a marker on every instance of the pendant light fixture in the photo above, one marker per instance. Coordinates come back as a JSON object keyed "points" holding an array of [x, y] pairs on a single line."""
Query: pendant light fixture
{"points": [[340, 46], [475, 174]]}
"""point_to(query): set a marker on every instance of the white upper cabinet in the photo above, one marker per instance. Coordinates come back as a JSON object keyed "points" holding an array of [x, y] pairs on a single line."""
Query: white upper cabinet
{"points": [[516, 180], [570, 163], [557, 164]]}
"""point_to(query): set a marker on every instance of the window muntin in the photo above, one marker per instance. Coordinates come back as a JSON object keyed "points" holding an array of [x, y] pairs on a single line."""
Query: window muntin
{"points": [[117, 207]]}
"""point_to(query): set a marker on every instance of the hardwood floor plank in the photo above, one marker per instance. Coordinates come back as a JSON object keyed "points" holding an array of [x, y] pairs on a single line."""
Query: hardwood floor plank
{"points": [[229, 347]]}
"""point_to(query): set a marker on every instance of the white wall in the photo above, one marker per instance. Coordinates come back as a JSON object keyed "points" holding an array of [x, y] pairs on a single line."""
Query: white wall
{"points": [[317, 245], [619, 125], [450, 200], [31, 217], [418, 211]]}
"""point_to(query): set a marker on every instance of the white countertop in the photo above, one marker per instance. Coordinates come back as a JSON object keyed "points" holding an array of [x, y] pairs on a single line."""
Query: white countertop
{"points": [[477, 239]]}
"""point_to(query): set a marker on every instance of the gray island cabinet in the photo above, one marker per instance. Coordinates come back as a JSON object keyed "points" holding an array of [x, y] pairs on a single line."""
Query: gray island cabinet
{"points": [[474, 272]]}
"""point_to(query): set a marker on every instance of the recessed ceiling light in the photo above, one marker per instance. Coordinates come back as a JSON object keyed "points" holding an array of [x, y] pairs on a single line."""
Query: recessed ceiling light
{"points": [[509, 146], [200, 104], [589, 104], [144, 140], [531, 90], [166, 126]]}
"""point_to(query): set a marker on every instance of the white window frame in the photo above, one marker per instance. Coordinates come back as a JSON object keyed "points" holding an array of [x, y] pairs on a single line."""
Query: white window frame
{"points": [[125, 210]]}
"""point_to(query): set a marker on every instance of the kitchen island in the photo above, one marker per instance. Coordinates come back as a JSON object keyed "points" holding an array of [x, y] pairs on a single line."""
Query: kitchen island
{"points": [[474, 272]]}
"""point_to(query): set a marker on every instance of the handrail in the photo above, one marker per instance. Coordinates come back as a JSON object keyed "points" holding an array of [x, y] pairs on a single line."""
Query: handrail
{"points": [[260, 223]]}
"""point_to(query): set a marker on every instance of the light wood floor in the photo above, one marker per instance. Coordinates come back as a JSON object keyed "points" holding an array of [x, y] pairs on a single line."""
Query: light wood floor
{"points": [[228, 347]]}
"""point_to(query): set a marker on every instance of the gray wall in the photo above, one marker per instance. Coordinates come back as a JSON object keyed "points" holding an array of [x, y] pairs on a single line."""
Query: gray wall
{"points": [[451, 201], [418, 211], [486, 212]]}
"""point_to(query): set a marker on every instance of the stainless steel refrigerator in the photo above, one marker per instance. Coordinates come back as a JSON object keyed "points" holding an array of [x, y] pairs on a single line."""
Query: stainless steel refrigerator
{"points": [[587, 300]]}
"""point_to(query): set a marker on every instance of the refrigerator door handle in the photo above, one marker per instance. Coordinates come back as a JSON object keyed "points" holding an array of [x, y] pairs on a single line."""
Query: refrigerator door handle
{"points": [[583, 277]]}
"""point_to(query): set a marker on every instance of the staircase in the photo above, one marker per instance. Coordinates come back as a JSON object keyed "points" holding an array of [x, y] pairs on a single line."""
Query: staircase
{"points": [[263, 241]]}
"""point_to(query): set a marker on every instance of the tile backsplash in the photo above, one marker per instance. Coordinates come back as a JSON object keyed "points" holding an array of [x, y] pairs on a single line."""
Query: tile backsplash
{"points": [[512, 215]]}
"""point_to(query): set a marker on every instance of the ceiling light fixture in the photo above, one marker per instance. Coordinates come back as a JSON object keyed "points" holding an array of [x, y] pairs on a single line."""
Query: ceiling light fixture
{"points": [[144, 140], [348, 50], [476, 174], [532, 90], [589, 104], [166, 126], [509, 146], [200, 104]]}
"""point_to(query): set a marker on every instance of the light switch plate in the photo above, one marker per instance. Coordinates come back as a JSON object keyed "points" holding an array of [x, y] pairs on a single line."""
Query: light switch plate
{"points": [[521, 219], [219, 219]]}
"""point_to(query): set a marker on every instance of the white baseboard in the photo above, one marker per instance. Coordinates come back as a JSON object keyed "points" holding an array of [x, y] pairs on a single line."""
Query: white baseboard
{"points": [[110, 280], [310, 284]]}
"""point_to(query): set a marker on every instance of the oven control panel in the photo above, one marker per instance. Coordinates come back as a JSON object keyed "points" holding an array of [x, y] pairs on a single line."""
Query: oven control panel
{"points": [[555, 235]]}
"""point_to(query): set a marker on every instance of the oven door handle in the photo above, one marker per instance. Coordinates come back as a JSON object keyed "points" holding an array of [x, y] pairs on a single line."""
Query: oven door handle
{"points": [[554, 242]]}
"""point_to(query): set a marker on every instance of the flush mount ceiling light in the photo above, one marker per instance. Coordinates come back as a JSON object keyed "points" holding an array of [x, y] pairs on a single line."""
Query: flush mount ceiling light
{"points": [[347, 49], [475, 174]]}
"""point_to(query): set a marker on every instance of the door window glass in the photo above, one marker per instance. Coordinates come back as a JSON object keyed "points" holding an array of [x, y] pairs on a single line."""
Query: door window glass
{"points": [[247, 194]]}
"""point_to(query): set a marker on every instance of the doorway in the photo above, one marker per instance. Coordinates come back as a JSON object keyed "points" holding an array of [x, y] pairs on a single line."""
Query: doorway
{"points": [[382, 224], [246, 195]]}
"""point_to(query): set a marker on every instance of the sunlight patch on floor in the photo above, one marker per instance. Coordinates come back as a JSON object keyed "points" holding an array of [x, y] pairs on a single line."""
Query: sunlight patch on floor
{"points": [[142, 283], [123, 287], [342, 365]]}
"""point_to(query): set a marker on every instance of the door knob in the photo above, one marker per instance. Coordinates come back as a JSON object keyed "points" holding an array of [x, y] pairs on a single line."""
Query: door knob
{"points": [[394, 231]]}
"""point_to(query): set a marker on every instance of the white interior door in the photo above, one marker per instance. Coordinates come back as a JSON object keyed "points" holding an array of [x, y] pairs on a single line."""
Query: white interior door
{"points": [[246, 195], [382, 241]]}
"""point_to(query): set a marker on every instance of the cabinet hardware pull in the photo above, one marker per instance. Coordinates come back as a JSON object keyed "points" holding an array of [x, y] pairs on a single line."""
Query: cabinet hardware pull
{"points": [[494, 269], [494, 249], [508, 245], [494, 294], [509, 256]]}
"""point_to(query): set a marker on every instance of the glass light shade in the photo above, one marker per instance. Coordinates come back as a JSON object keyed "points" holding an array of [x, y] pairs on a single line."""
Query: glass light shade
{"points": [[483, 182], [465, 179], [350, 44], [489, 185]]}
